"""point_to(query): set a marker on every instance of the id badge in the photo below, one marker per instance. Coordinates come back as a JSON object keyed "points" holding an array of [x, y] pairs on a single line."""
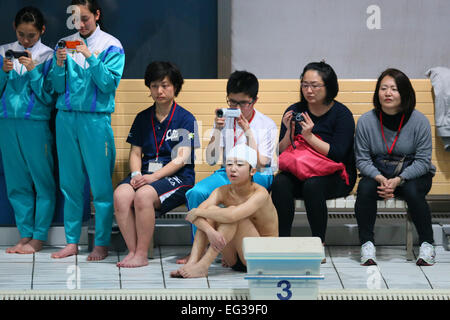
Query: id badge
{"points": [[154, 166]]}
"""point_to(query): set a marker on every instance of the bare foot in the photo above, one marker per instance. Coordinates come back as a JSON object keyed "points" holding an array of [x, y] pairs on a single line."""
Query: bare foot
{"points": [[197, 270], [18, 247], [70, 250], [176, 274], [225, 264], [183, 260], [99, 253], [126, 259], [136, 261], [31, 247]]}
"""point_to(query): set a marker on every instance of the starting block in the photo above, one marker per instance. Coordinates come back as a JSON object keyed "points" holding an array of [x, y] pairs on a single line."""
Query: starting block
{"points": [[283, 268]]}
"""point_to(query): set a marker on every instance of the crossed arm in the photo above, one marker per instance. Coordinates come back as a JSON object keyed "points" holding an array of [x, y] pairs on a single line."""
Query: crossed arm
{"points": [[209, 208]]}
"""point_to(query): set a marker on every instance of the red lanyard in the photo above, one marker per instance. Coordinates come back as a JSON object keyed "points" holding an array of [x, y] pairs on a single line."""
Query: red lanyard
{"points": [[236, 139], [389, 150], [158, 146]]}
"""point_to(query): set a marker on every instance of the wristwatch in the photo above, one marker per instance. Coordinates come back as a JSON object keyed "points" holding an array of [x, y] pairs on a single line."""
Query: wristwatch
{"points": [[135, 173], [402, 181]]}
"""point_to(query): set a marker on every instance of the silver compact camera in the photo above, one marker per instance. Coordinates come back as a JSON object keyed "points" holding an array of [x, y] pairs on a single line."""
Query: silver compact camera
{"points": [[228, 113]]}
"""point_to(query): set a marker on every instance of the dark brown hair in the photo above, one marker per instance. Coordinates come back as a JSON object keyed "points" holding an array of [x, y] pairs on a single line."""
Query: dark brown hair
{"points": [[405, 89]]}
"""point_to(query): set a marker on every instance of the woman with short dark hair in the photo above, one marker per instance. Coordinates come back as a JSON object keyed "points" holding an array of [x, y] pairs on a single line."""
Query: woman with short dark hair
{"points": [[328, 127], [393, 131], [162, 138]]}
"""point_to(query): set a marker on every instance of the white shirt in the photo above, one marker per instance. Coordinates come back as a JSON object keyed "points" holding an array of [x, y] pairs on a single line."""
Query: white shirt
{"points": [[264, 131]]}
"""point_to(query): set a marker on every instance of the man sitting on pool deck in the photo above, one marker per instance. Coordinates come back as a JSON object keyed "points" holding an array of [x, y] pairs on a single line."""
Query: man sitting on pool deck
{"points": [[247, 211]]}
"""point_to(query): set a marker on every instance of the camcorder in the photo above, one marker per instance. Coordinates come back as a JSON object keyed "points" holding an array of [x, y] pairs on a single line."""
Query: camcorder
{"points": [[297, 117], [10, 54], [228, 113], [68, 44]]}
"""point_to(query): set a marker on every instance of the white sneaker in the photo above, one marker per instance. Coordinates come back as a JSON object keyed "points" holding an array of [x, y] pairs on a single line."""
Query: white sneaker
{"points": [[368, 252], [427, 255]]}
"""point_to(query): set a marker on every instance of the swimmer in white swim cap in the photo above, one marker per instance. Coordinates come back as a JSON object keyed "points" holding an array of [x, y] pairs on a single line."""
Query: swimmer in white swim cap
{"points": [[238, 158], [232, 212]]}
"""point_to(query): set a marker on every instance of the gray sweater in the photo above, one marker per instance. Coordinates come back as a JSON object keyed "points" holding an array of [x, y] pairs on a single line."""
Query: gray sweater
{"points": [[414, 138]]}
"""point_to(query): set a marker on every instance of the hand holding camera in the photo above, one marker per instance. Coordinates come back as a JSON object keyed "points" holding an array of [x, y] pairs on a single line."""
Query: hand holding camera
{"points": [[8, 65], [11, 54], [228, 113], [27, 60], [68, 44], [24, 58], [223, 113], [77, 46], [306, 123], [61, 54]]}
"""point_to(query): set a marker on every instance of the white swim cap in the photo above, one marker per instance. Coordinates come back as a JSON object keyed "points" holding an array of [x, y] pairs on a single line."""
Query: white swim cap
{"points": [[244, 152]]}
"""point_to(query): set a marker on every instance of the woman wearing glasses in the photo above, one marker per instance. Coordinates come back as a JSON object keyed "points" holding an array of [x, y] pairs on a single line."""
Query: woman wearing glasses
{"points": [[328, 127], [251, 127]]}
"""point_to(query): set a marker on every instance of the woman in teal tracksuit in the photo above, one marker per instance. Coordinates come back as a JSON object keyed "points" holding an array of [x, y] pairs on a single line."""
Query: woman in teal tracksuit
{"points": [[86, 79], [25, 140]]}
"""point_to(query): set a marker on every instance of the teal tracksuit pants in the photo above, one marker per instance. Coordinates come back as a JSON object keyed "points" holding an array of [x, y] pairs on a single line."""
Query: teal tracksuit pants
{"points": [[85, 143], [26, 147]]}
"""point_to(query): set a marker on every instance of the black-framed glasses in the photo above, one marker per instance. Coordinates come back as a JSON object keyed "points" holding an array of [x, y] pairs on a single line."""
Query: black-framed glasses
{"points": [[242, 104]]}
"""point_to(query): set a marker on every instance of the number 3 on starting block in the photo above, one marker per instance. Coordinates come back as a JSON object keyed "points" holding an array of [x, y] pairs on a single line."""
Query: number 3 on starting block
{"points": [[285, 289]]}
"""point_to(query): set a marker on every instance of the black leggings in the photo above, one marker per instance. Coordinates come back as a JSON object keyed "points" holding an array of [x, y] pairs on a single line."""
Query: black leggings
{"points": [[413, 192], [314, 191]]}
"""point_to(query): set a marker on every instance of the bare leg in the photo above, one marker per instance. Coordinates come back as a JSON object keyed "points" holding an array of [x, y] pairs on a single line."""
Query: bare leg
{"points": [[185, 259], [145, 202], [200, 269], [198, 249], [245, 229], [124, 213]]}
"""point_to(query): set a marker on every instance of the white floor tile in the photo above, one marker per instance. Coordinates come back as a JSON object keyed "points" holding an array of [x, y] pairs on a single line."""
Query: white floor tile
{"points": [[342, 271], [157, 284], [408, 276], [13, 257]]}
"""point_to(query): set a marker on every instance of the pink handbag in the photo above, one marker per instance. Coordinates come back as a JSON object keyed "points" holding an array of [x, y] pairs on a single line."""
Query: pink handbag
{"points": [[304, 162]]}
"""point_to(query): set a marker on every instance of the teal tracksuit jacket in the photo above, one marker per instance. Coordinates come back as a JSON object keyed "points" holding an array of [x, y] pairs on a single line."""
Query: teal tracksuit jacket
{"points": [[26, 142], [84, 137]]}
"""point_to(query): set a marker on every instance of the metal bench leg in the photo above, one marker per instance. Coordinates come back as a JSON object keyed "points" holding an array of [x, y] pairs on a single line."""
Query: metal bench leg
{"points": [[409, 238]]}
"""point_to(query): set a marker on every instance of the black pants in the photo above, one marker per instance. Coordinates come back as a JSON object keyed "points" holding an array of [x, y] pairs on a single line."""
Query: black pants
{"points": [[413, 192], [314, 191]]}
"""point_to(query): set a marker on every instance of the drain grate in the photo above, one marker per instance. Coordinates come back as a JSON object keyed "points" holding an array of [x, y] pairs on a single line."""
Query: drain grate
{"points": [[385, 295], [217, 294]]}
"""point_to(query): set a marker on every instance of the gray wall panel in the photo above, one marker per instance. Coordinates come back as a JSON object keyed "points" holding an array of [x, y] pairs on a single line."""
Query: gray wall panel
{"points": [[275, 39]]}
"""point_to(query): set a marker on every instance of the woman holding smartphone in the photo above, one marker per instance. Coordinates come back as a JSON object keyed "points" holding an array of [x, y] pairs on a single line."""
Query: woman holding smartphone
{"points": [[25, 140], [86, 78]]}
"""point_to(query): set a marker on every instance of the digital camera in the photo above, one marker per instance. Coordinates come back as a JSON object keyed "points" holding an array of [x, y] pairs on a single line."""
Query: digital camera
{"points": [[297, 117], [68, 44], [228, 113], [10, 54]]}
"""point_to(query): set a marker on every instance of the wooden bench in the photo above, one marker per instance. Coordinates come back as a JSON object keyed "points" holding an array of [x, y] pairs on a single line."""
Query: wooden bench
{"points": [[202, 97]]}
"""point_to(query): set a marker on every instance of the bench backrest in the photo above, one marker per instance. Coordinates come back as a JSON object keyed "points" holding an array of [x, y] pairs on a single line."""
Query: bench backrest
{"points": [[202, 97]]}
